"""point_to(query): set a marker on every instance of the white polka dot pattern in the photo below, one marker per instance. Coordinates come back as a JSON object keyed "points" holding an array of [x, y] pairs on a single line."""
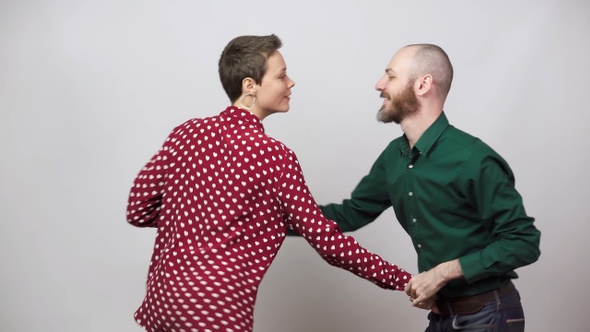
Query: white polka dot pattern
{"points": [[222, 194]]}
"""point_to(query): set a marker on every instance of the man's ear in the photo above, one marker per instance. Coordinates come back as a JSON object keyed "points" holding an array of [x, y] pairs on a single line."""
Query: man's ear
{"points": [[423, 85]]}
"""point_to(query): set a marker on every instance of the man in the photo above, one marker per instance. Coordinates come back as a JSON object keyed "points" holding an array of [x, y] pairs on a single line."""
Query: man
{"points": [[453, 195]]}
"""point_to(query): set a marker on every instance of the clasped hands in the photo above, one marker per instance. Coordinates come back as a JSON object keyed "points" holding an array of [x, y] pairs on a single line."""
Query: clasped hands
{"points": [[422, 290]]}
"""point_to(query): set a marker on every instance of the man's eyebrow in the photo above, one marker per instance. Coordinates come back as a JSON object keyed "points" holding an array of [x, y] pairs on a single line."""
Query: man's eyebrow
{"points": [[390, 71]]}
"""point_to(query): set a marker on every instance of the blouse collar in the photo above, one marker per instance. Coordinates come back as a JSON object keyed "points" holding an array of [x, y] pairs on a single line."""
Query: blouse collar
{"points": [[241, 114]]}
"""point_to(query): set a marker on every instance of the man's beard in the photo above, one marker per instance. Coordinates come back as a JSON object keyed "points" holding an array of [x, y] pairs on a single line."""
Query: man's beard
{"points": [[403, 105]]}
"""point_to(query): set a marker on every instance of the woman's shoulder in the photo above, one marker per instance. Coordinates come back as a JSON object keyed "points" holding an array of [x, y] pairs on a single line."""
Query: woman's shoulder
{"points": [[272, 145]]}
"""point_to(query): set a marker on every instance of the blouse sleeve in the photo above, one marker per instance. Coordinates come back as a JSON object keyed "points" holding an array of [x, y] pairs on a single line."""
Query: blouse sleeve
{"points": [[304, 216], [145, 197]]}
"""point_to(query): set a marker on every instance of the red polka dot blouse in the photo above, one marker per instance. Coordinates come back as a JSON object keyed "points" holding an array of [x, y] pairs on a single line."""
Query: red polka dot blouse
{"points": [[222, 194]]}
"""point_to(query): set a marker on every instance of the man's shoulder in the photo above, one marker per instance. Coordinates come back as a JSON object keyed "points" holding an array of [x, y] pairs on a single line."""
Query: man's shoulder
{"points": [[465, 139], [460, 134], [474, 148]]}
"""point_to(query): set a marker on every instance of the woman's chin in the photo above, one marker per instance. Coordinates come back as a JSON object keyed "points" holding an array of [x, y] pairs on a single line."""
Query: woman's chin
{"points": [[283, 109]]}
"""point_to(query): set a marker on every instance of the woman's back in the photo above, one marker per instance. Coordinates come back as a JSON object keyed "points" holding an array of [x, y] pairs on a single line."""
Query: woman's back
{"points": [[220, 223]]}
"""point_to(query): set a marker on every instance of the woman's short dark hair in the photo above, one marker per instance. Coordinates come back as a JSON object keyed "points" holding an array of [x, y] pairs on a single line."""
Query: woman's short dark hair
{"points": [[245, 56]]}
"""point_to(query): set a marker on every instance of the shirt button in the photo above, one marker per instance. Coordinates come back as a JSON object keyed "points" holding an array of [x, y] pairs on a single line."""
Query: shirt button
{"points": [[414, 220], [411, 166], [410, 194], [419, 245]]}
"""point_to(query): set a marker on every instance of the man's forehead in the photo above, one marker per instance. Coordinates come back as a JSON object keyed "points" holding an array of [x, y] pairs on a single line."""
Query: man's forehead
{"points": [[399, 61], [393, 67]]}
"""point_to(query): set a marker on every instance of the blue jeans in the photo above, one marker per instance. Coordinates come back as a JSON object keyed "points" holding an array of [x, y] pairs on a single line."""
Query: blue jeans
{"points": [[503, 314]]}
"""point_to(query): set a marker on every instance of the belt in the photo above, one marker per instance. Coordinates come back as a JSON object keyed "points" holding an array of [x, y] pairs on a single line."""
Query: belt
{"points": [[470, 304]]}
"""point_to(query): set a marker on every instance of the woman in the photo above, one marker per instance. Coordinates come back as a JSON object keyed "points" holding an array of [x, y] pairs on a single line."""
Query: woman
{"points": [[222, 195]]}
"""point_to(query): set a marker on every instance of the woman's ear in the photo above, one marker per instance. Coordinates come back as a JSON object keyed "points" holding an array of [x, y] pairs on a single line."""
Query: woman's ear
{"points": [[248, 85]]}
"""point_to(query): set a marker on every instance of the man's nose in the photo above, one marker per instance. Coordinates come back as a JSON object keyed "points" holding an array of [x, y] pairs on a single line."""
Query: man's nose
{"points": [[380, 86]]}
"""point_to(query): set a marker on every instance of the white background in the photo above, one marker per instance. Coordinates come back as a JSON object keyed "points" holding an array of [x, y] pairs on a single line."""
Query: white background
{"points": [[90, 89]]}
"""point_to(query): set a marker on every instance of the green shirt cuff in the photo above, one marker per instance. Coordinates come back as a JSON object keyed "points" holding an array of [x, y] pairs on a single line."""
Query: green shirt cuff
{"points": [[472, 267]]}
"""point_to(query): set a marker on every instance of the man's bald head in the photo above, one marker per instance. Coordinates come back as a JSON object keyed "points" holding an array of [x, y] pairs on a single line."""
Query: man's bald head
{"points": [[433, 60]]}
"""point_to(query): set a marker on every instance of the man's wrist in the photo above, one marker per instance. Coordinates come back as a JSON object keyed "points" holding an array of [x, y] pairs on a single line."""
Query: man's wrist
{"points": [[449, 271]]}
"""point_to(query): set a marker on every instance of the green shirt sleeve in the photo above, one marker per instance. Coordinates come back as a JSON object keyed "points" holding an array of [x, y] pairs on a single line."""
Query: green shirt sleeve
{"points": [[489, 186], [368, 200]]}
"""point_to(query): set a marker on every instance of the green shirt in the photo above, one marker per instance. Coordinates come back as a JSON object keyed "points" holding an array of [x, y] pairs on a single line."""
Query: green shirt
{"points": [[455, 197]]}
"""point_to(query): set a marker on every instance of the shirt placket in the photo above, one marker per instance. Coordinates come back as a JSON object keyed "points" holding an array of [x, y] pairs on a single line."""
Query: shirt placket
{"points": [[411, 196]]}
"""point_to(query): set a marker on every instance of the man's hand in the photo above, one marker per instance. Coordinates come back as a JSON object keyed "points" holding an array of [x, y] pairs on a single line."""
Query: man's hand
{"points": [[428, 304], [422, 288]]}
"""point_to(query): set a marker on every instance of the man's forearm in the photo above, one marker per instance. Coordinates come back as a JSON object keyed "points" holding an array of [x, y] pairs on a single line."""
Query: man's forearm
{"points": [[449, 271]]}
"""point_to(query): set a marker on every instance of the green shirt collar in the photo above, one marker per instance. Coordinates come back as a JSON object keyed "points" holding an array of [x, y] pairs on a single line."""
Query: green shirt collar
{"points": [[427, 140]]}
